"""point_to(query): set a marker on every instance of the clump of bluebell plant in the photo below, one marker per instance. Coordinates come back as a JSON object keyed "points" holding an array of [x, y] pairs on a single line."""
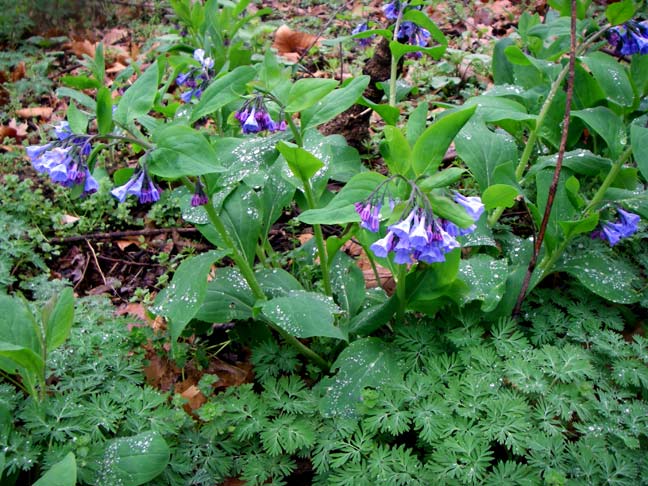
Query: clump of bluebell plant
{"points": [[624, 227], [418, 235], [630, 38], [254, 117], [197, 78], [140, 185], [410, 33], [65, 160]]}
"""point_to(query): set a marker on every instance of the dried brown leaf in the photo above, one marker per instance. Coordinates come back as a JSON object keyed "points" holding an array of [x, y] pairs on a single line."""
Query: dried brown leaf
{"points": [[44, 112], [291, 44]]}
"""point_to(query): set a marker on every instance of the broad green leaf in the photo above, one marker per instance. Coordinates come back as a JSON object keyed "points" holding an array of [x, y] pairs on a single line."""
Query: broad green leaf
{"points": [[607, 125], [348, 283], [499, 196], [564, 7], [81, 98], [579, 161], [443, 178], [497, 109], [131, 461], [341, 208], [433, 144], [483, 151], [334, 103], [104, 111], [396, 151], [241, 214], [374, 317], [80, 82], [304, 314], [222, 91], [182, 151], [620, 12], [612, 278], [562, 208], [501, 66], [639, 71], [138, 99], [639, 140], [416, 123], [545, 69], [584, 225], [301, 162], [612, 76], [398, 50], [78, 120], [308, 91], [390, 114], [21, 358], [486, 280], [277, 282], [58, 322], [365, 363], [99, 64], [587, 90], [275, 195], [17, 324], [63, 473], [184, 296], [228, 298], [448, 209]]}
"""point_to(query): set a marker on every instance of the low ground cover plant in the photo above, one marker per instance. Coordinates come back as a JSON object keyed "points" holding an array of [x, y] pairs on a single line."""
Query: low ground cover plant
{"points": [[509, 349]]}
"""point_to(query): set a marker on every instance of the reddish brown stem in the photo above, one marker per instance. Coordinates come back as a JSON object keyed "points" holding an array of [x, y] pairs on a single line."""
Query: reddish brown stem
{"points": [[559, 160]]}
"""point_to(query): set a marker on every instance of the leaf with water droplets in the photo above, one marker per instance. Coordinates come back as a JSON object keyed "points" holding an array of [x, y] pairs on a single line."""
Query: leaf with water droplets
{"points": [[131, 461], [612, 77], [228, 298], [182, 299], [486, 280], [304, 314], [367, 362], [639, 140], [611, 278]]}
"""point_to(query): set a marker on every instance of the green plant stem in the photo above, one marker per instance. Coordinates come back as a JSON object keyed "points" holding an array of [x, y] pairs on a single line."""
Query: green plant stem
{"points": [[401, 291], [394, 63], [319, 240], [248, 274], [295, 131], [609, 179]]}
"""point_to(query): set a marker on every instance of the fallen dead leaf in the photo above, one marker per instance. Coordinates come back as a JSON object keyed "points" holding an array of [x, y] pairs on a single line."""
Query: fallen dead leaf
{"points": [[19, 72], [69, 219], [135, 309], [81, 47], [292, 44], [44, 112], [21, 130], [114, 35], [7, 132], [127, 241], [189, 390]]}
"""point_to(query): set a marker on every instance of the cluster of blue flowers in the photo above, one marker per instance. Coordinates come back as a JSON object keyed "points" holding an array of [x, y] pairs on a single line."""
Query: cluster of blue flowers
{"points": [[630, 38], [408, 32], [65, 159], [613, 232], [254, 117], [197, 78], [419, 236], [199, 197], [140, 185]]}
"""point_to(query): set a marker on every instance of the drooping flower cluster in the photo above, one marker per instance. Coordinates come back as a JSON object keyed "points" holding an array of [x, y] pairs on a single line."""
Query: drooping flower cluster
{"points": [[364, 41], [410, 33], [65, 159], [393, 9], [199, 197], [613, 232], [629, 38], [140, 185], [418, 235], [197, 78], [254, 117]]}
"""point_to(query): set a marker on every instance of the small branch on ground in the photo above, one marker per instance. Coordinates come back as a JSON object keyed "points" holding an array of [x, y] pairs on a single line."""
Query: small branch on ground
{"points": [[120, 234]]}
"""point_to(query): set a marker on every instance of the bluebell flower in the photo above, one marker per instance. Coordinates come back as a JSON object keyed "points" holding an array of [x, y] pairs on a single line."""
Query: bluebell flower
{"points": [[363, 41], [199, 197], [383, 246], [613, 232], [392, 9], [90, 185], [254, 117], [133, 187], [629, 38], [411, 33], [473, 205], [196, 79], [369, 216], [64, 159], [402, 228]]}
